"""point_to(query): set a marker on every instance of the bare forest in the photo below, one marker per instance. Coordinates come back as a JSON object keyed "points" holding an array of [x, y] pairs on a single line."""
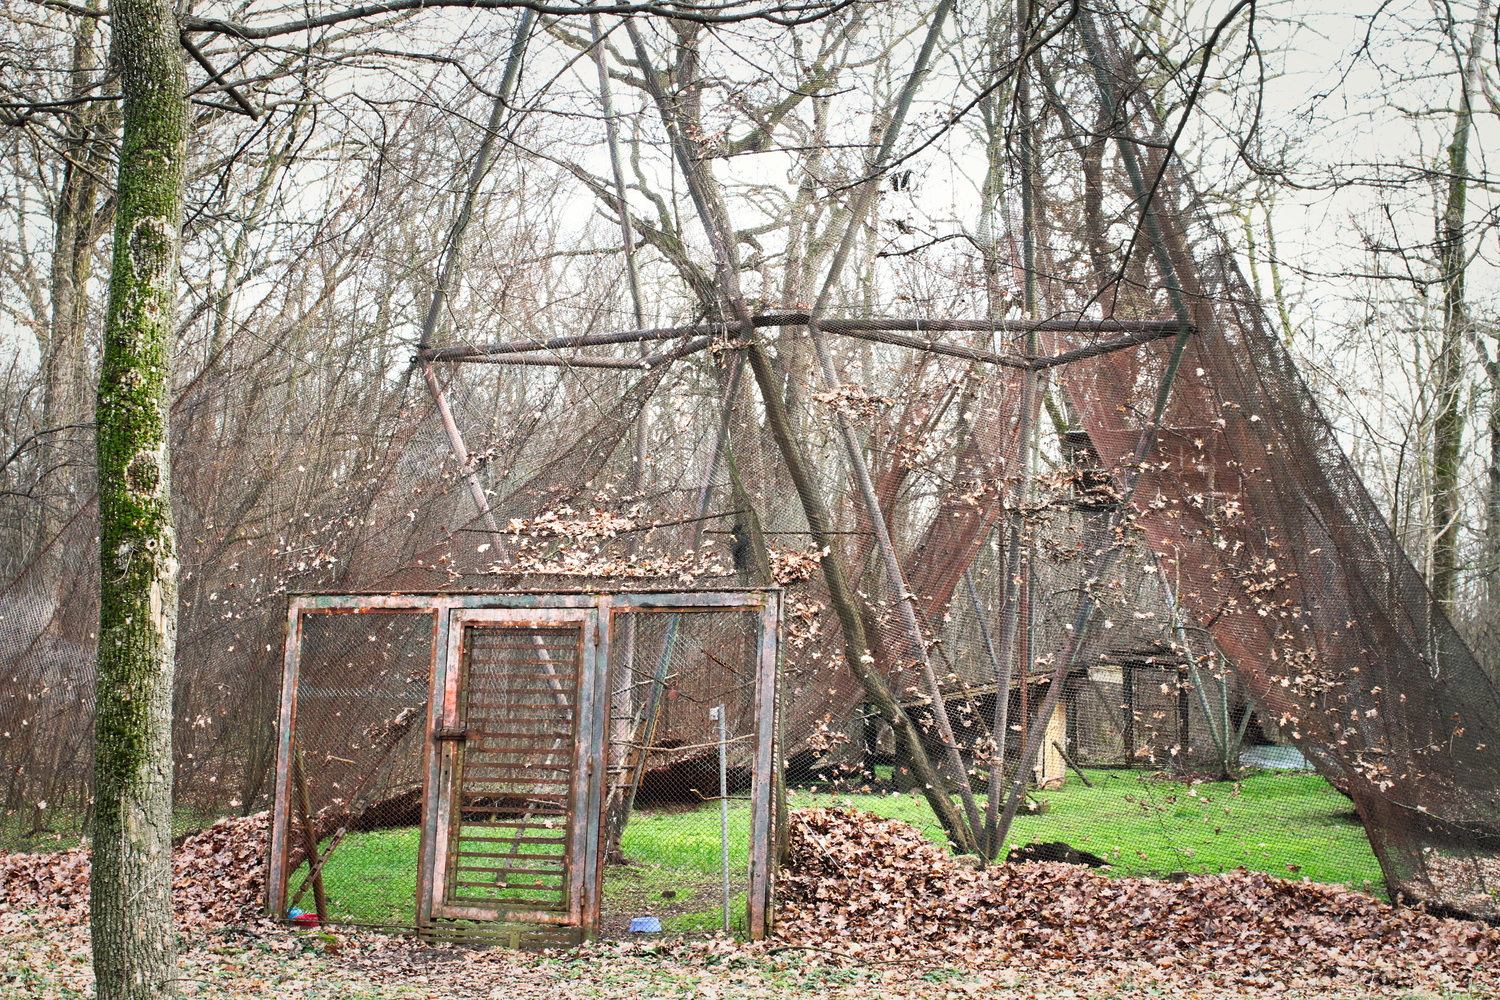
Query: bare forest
{"points": [[1024, 344]]}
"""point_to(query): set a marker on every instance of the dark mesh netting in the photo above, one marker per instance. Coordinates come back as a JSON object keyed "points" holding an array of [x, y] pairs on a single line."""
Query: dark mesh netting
{"points": [[358, 763], [679, 851], [1067, 550]]}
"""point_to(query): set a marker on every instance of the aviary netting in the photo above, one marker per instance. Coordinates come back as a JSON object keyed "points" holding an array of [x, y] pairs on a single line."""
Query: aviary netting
{"points": [[1060, 465]]}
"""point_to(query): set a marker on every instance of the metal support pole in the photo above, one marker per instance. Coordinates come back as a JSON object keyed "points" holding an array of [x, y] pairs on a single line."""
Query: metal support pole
{"points": [[966, 838], [1076, 639], [448, 266], [465, 463], [717, 712]]}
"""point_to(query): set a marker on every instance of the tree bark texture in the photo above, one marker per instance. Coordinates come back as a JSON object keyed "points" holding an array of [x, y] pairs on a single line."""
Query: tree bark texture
{"points": [[130, 889], [77, 226], [1448, 425]]}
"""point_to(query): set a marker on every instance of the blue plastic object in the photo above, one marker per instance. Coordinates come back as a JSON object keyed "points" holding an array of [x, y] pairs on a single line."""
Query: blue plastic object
{"points": [[645, 925]]}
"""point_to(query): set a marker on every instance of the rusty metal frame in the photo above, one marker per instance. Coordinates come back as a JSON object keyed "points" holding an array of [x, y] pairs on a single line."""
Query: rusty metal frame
{"points": [[599, 608], [277, 870], [764, 784], [580, 793]]}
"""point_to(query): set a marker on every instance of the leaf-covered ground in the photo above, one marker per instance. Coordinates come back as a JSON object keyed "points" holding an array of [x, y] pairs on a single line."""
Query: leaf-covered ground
{"points": [[867, 907], [877, 888]]}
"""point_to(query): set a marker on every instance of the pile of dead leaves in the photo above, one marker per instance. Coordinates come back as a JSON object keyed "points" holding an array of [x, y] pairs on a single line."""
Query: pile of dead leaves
{"points": [[219, 874], [875, 887], [218, 877], [56, 883], [876, 892]]}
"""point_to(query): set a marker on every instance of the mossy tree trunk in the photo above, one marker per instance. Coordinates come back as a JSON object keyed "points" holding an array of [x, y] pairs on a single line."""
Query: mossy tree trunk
{"points": [[130, 891]]}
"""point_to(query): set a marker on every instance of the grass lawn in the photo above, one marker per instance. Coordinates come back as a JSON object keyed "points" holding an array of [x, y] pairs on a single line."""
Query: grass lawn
{"points": [[371, 879], [1289, 824], [674, 874], [1286, 823]]}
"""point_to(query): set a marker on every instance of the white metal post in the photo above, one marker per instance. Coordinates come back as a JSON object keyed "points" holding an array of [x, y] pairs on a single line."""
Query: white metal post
{"points": [[717, 712]]}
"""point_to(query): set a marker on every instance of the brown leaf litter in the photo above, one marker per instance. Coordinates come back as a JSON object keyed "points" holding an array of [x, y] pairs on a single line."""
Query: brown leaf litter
{"points": [[218, 877], [877, 888], [865, 906]]}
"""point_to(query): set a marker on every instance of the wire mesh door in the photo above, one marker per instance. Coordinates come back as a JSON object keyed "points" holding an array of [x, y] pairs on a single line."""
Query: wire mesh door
{"points": [[516, 789]]}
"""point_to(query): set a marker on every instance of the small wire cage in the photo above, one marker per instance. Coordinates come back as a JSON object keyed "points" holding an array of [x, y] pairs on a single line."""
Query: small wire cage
{"points": [[528, 769]]}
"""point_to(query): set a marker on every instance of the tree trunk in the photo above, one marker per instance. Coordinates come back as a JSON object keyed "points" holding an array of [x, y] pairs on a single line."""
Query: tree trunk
{"points": [[679, 117], [856, 645], [66, 378], [1448, 425], [130, 889]]}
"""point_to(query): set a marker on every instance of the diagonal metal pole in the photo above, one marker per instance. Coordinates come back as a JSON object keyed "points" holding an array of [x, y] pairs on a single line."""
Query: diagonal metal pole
{"points": [[612, 139], [465, 462], [622, 720], [448, 266], [1082, 619], [895, 575], [1017, 607], [714, 216], [447, 271]]}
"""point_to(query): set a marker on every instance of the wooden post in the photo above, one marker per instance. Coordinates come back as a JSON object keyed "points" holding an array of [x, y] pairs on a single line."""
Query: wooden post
{"points": [[1073, 764], [1051, 770], [309, 837], [315, 872]]}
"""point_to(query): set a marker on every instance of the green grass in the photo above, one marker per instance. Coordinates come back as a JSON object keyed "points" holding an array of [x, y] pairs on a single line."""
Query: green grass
{"points": [[688, 840], [371, 879], [675, 872], [1273, 822], [1289, 824]]}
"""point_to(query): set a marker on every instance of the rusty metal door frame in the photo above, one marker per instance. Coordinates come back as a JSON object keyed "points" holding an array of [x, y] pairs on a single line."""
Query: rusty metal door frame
{"points": [[450, 611], [443, 821]]}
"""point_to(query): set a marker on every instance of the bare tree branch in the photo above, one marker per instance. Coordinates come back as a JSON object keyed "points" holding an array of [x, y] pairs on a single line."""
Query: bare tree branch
{"points": [[786, 15]]}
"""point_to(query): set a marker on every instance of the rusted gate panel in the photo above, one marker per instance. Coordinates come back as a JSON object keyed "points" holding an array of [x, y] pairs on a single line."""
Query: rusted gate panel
{"points": [[515, 791]]}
